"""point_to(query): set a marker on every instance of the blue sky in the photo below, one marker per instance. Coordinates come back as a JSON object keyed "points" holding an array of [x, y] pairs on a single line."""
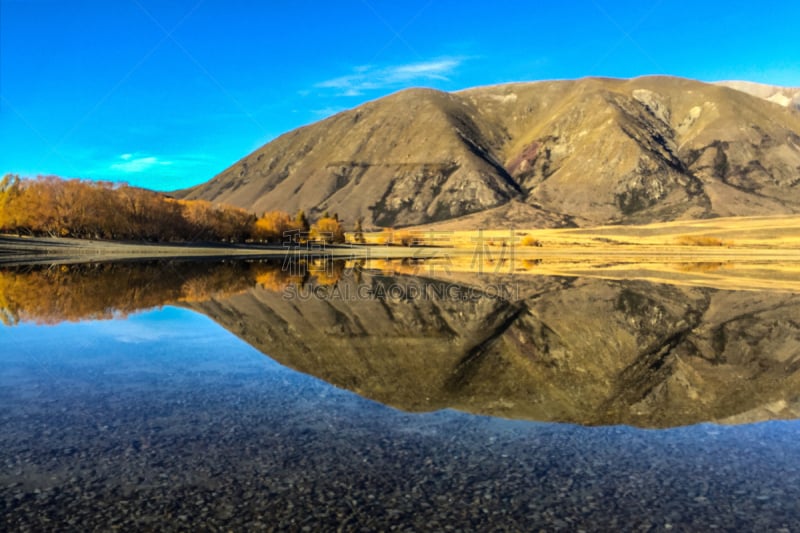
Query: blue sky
{"points": [[167, 94]]}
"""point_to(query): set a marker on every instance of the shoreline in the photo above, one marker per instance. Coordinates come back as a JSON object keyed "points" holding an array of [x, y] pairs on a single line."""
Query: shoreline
{"points": [[42, 250], [37, 250], [20, 250]]}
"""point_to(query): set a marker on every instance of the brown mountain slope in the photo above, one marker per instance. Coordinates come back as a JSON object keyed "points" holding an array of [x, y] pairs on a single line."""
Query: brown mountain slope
{"points": [[586, 152], [412, 157]]}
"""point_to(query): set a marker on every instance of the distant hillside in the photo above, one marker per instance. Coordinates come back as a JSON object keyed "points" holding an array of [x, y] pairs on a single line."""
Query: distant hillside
{"points": [[561, 153], [785, 96]]}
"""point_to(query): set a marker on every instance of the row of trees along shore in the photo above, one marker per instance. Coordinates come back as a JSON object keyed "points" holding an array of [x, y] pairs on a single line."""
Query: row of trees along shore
{"points": [[51, 206]]}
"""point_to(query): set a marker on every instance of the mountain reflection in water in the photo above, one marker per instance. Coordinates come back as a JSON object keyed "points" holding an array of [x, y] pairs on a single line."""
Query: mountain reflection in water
{"points": [[549, 348]]}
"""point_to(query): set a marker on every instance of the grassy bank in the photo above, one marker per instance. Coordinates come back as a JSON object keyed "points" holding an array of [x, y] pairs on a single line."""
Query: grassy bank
{"points": [[723, 239], [24, 250]]}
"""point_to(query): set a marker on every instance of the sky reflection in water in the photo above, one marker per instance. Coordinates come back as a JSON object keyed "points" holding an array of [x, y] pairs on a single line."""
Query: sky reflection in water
{"points": [[166, 419]]}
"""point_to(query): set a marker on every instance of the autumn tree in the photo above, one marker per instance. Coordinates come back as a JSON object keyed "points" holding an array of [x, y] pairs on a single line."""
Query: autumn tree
{"points": [[204, 220], [9, 190], [237, 223], [327, 230], [210, 222], [33, 208], [358, 233], [272, 226], [103, 210], [151, 216], [301, 221]]}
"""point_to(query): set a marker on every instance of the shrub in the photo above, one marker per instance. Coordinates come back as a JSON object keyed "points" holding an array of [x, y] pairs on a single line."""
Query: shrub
{"points": [[530, 240], [700, 240], [407, 238]]}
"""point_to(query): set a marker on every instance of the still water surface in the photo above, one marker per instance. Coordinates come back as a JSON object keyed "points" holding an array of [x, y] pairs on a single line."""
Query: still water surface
{"points": [[193, 415]]}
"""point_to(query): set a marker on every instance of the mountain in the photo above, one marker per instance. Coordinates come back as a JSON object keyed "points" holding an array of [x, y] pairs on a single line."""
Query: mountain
{"points": [[784, 96], [560, 153], [587, 351]]}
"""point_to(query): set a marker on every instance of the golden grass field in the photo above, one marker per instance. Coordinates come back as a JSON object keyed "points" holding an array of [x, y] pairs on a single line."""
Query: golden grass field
{"points": [[741, 253], [763, 233]]}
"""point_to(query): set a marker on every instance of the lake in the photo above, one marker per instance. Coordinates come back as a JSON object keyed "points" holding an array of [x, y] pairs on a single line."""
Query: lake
{"points": [[395, 395]]}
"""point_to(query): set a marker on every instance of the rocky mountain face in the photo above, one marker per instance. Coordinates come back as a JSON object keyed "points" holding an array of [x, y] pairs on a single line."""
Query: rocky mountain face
{"points": [[563, 153], [552, 349]]}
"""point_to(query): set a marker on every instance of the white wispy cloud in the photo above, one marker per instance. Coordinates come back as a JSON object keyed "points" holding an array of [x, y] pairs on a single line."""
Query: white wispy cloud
{"points": [[161, 171], [370, 78], [136, 163]]}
